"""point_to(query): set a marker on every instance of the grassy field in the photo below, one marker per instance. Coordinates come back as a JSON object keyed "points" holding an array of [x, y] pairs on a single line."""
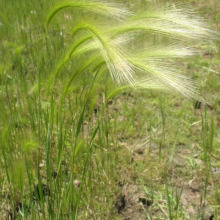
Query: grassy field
{"points": [[76, 146]]}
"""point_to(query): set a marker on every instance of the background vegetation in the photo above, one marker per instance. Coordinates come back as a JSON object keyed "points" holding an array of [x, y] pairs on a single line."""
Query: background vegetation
{"points": [[76, 146]]}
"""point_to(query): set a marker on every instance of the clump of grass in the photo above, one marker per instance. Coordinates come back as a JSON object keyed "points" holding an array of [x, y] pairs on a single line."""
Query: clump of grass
{"points": [[59, 127]]}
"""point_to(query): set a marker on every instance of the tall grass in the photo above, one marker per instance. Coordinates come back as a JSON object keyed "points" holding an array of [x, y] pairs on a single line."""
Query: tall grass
{"points": [[145, 67], [56, 83]]}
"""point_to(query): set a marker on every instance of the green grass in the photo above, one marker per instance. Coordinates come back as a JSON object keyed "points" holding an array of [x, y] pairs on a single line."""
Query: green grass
{"points": [[74, 145]]}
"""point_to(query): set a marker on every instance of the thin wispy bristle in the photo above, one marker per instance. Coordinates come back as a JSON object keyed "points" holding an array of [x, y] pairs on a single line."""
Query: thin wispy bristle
{"points": [[173, 22], [117, 64], [168, 77], [108, 9]]}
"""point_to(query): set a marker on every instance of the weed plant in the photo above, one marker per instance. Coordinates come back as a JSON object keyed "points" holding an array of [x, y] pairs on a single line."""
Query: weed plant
{"points": [[60, 71]]}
